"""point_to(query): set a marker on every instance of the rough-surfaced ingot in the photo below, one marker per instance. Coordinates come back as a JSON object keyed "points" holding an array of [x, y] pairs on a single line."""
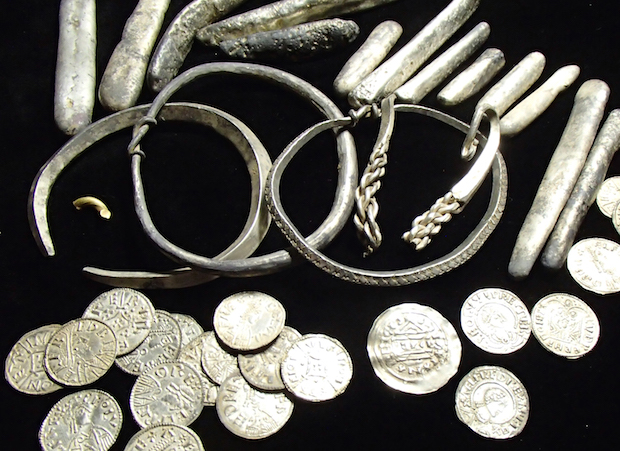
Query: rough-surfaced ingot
{"points": [[279, 15], [295, 43], [123, 78], [561, 176], [474, 78], [526, 111], [439, 69], [390, 75], [584, 193], [74, 94]]}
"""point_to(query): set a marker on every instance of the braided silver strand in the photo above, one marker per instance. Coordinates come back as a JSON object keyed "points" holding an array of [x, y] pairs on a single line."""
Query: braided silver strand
{"points": [[429, 223]]}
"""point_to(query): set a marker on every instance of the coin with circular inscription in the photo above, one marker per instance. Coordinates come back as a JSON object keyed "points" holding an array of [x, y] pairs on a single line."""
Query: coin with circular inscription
{"points": [[191, 354], [565, 325], [165, 437], [316, 368], [250, 413], [127, 312], [413, 348], [594, 263], [86, 420], [496, 320], [190, 328], [216, 361], [167, 393], [615, 217], [492, 402], [80, 352], [608, 195], [24, 369], [248, 320], [162, 344]]}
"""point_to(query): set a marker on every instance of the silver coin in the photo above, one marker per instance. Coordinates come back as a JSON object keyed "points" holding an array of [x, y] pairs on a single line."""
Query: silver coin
{"points": [[594, 263], [250, 413], [262, 370], [248, 320], [190, 328], [165, 437], [162, 344], [492, 402], [23, 368], [615, 217], [565, 325], [89, 420], [80, 352], [316, 368], [413, 348], [191, 354], [167, 393], [127, 312], [496, 320], [608, 196], [217, 362]]}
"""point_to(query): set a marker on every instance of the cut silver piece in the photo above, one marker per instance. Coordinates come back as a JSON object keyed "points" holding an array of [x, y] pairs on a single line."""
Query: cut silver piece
{"points": [[440, 68], [560, 176], [492, 402], [279, 15], [514, 84], [608, 196], [217, 363], [594, 263], [295, 43], [474, 78], [165, 437], [526, 111], [565, 325], [413, 348], [190, 328], [390, 75], [74, 94], [594, 169], [123, 77], [368, 56], [191, 354]]}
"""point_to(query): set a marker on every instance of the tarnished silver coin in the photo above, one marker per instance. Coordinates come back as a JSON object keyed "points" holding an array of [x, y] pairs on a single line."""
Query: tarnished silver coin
{"points": [[127, 312], [217, 362], [250, 413], [262, 370], [594, 263], [167, 393], [316, 368], [162, 344], [89, 420], [608, 195], [191, 354], [190, 328], [413, 348], [165, 437], [248, 320], [492, 402], [565, 325], [80, 352], [615, 217], [496, 320], [24, 369]]}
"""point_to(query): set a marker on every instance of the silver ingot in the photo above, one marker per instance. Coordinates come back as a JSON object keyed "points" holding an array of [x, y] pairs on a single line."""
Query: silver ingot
{"points": [[561, 176]]}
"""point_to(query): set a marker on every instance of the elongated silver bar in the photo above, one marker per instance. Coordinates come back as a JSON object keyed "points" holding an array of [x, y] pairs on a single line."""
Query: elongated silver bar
{"points": [[561, 175], [515, 83], [368, 56], [584, 194], [123, 78], [74, 95], [474, 78], [279, 15], [439, 69], [178, 38], [390, 75], [526, 111], [295, 43]]}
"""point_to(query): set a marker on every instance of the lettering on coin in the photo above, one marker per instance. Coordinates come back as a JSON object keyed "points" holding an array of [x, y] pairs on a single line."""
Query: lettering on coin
{"points": [[165, 437], [191, 354], [594, 263], [216, 362]]}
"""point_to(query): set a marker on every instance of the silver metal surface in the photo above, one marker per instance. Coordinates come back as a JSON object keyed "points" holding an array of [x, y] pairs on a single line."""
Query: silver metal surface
{"points": [[191, 354], [217, 362], [608, 196], [560, 176], [615, 217], [390, 75], [165, 437], [190, 328], [413, 348], [594, 263]]}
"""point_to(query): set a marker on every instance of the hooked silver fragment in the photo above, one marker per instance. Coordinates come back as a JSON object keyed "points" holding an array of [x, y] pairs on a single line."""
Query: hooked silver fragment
{"points": [[592, 175], [474, 78], [561, 175], [537, 102], [74, 95], [390, 75], [295, 43], [439, 69]]}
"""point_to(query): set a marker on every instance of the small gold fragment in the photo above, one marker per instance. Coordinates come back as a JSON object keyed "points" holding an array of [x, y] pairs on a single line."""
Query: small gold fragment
{"points": [[90, 201]]}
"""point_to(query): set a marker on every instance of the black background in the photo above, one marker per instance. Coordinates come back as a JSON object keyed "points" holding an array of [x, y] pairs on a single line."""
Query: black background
{"points": [[198, 190]]}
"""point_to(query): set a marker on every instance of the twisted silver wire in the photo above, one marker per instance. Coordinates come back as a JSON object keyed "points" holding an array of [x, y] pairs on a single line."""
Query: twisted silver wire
{"points": [[429, 223]]}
